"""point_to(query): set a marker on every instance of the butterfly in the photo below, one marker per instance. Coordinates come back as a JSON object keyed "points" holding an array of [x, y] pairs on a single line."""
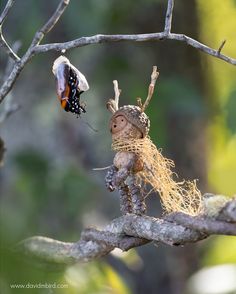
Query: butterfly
{"points": [[70, 84]]}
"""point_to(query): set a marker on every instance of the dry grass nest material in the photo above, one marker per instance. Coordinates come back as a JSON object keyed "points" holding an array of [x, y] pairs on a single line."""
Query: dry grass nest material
{"points": [[181, 196]]}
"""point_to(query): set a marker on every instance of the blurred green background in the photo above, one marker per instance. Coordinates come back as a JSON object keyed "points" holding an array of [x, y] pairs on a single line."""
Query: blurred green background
{"points": [[47, 184]]}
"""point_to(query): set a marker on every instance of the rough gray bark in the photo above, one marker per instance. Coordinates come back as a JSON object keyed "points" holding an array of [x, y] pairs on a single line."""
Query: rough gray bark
{"points": [[130, 231]]}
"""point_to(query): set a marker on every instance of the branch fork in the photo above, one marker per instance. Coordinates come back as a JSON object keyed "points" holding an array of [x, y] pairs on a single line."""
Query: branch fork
{"points": [[36, 48]]}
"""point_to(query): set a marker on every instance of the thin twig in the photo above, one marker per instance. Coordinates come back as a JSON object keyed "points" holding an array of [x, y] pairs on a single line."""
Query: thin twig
{"points": [[113, 104], [221, 46], [50, 23], [139, 102], [9, 82], [10, 64], [9, 107], [154, 76], [168, 19], [7, 48], [3, 42], [117, 94], [6, 10]]}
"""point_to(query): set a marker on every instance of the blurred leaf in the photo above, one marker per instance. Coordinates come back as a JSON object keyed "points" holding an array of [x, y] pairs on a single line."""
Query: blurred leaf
{"points": [[97, 278], [221, 250]]}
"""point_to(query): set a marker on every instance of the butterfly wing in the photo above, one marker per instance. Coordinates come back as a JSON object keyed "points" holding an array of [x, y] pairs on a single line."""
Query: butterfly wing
{"points": [[70, 83]]}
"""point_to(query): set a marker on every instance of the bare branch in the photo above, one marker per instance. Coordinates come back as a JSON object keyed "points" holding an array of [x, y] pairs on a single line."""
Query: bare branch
{"points": [[51, 250], [209, 226], [113, 104], [9, 82], [123, 242], [9, 106], [130, 231], [3, 42], [7, 48], [10, 63], [117, 94], [154, 77], [50, 23], [6, 10], [168, 18], [98, 39]]}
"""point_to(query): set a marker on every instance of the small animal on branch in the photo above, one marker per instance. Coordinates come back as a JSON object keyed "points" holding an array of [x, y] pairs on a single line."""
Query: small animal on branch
{"points": [[70, 84], [138, 162]]}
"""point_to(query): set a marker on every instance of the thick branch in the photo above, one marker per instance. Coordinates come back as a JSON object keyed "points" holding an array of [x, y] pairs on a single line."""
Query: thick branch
{"points": [[130, 231], [208, 226]]}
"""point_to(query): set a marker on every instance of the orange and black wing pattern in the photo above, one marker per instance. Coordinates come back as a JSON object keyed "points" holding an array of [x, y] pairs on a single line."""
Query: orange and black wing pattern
{"points": [[70, 84]]}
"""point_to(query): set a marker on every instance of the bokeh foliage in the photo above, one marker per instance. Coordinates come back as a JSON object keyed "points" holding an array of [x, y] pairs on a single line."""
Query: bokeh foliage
{"points": [[47, 186]]}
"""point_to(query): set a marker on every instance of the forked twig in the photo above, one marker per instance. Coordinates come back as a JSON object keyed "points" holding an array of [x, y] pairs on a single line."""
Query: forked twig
{"points": [[50, 23]]}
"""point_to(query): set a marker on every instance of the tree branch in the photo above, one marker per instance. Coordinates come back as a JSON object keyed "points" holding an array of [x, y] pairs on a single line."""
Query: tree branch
{"points": [[6, 10], [35, 48], [168, 19], [7, 48], [130, 231], [208, 226], [50, 23], [98, 39], [3, 42], [20, 64]]}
